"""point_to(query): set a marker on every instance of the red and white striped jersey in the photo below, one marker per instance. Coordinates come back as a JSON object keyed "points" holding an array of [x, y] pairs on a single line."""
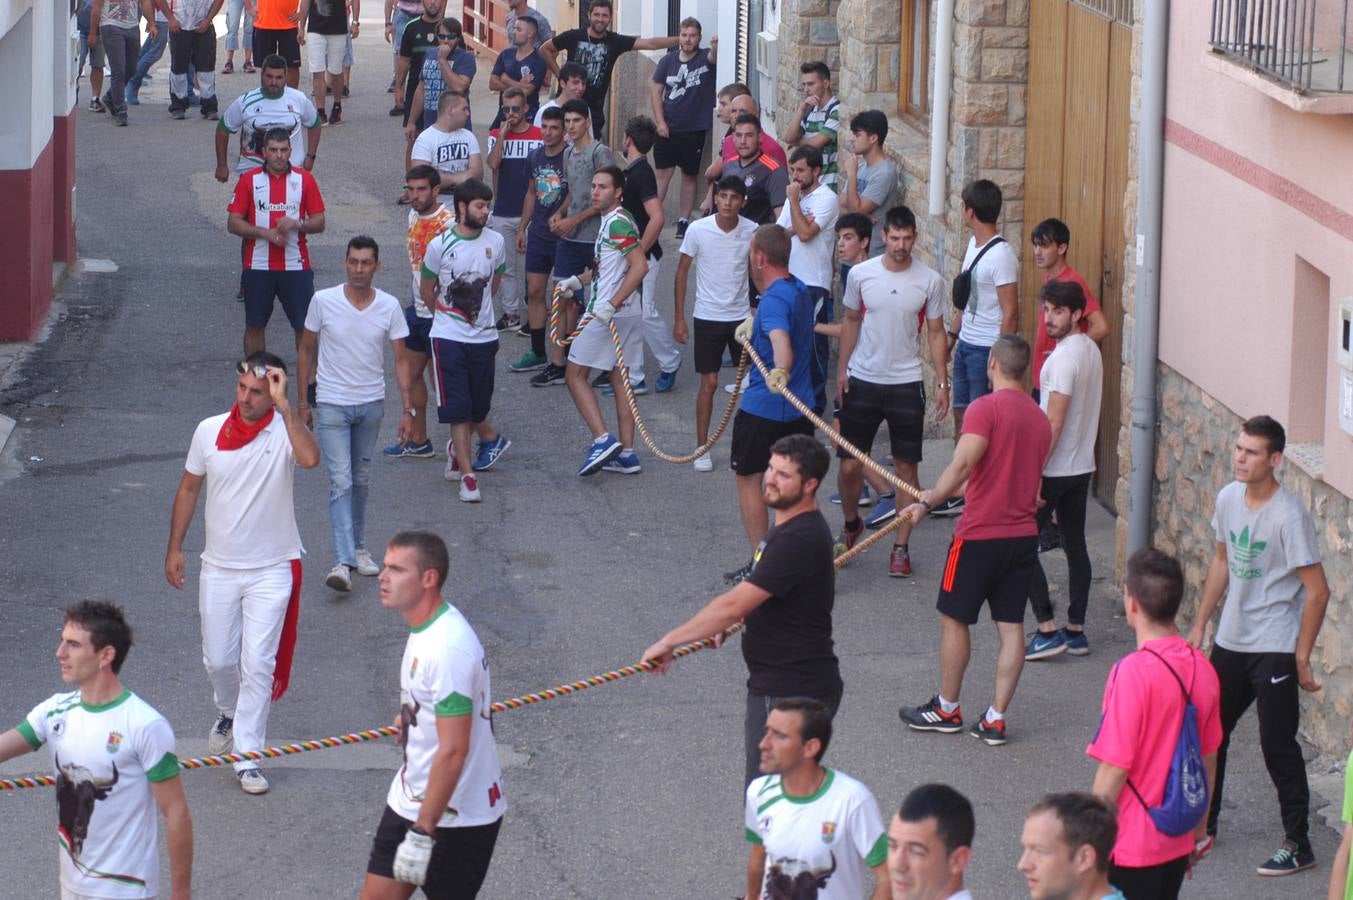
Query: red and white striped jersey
{"points": [[263, 200]]}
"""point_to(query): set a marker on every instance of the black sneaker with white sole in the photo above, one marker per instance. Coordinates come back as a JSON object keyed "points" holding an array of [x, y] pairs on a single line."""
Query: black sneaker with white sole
{"points": [[1288, 859], [951, 507], [547, 376]]}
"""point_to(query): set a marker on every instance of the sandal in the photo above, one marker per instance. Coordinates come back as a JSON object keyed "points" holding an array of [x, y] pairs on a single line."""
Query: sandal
{"points": [[249, 67], [228, 68]]}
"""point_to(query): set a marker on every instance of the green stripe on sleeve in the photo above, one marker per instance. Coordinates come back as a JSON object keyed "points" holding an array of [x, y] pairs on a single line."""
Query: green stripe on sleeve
{"points": [[879, 854], [752, 836], [166, 768], [428, 273], [28, 734], [454, 704]]}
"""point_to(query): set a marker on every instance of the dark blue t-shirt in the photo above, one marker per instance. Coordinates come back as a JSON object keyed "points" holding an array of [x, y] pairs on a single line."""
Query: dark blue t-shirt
{"points": [[513, 169], [545, 175], [508, 64], [786, 305], [688, 90]]}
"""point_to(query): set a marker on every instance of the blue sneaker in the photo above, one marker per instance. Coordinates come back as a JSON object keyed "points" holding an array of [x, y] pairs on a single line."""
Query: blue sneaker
{"points": [[489, 453], [603, 450], [887, 508], [1077, 644], [639, 389], [666, 381], [411, 450], [625, 463], [1041, 645], [132, 98]]}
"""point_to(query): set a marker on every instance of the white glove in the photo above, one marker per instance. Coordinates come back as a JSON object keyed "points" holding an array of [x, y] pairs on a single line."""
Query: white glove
{"points": [[743, 332], [777, 380], [412, 858], [603, 312], [570, 286]]}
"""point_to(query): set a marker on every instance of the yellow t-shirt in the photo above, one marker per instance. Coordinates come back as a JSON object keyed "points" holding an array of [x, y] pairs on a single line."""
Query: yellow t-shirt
{"points": [[273, 14]]}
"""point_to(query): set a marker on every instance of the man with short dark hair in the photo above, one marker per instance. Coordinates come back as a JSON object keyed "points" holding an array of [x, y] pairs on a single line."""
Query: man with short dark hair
{"points": [[1051, 240], [270, 106], [418, 39], [680, 94], [249, 588], [818, 122], [114, 759], [510, 148], [1145, 701], [519, 9], [809, 215], [328, 33], [1267, 563], [546, 190], [786, 599], [809, 824], [115, 25], [520, 66], [869, 177], [448, 145], [766, 180], [930, 845], [445, 805], [572, 86], [276, 32], [598, 48], [1066, 844], [997, 463]]}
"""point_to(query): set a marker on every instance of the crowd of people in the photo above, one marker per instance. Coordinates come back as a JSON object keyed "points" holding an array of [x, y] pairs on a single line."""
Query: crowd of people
{"points": [[545, 231]]}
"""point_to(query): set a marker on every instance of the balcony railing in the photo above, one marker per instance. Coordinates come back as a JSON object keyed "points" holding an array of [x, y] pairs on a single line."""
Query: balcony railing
{"points": [[1302, 43]]}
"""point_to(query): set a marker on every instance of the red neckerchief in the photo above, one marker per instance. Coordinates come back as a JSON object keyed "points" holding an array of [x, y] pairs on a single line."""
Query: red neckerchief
{"points": [[236, 433]]}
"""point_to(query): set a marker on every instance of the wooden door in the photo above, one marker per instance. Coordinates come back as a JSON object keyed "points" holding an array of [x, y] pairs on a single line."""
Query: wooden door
{"points": [[1076, 170]]}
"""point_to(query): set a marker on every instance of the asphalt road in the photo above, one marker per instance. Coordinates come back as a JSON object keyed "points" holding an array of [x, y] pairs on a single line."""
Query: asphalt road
{"points": [[631, 789]]}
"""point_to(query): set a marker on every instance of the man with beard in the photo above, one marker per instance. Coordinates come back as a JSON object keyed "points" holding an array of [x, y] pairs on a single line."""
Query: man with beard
{"points": [[786, 600]]}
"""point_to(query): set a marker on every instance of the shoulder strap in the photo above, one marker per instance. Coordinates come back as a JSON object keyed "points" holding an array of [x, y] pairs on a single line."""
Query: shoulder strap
{"points": [[983, 252], [1187, 700]]}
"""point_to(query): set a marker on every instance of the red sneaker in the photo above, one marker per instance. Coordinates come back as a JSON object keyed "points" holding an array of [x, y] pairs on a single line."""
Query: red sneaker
{"points": [[848, 536], [899, 562]]}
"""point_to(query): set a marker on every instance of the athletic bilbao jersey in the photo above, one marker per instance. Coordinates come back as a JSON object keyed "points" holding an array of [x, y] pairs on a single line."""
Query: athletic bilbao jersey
{"points": [[106, 758], [422, 229], [445, 673], [827, 840], [264, 200], [617, 235]]}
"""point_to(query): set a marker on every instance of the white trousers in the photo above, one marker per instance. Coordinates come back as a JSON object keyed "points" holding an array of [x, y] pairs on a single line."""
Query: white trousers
{"points": [[242, 612], [657, 335], [512, 290]]}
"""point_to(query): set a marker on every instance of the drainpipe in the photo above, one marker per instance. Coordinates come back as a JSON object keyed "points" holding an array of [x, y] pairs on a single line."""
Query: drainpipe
{"points": [[939, 104], [1145, 348]]}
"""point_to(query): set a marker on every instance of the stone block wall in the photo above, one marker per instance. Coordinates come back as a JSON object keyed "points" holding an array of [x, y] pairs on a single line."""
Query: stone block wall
{"points": [[808, 32], [1195, 437]]}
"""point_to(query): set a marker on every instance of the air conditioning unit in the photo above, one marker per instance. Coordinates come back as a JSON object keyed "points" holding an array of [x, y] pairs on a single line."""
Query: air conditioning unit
{"points": [[767, 65]]}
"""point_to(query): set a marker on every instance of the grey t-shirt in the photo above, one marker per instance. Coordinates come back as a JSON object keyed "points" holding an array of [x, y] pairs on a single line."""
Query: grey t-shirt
{"points": [[1264, 548], [877, 183], [579, 167]]}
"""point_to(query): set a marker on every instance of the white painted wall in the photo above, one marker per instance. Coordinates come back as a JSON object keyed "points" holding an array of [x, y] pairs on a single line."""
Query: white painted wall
{"points": [[26, 67]]}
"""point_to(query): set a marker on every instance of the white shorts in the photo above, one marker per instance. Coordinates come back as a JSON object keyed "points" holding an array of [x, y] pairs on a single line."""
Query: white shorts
{"points": [[595, 349], [325, 52]]}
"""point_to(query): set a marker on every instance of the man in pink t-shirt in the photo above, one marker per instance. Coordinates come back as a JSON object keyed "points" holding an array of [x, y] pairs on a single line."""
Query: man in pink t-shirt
{"points": [[994, 551], [1051, 238], [1139, 727]]}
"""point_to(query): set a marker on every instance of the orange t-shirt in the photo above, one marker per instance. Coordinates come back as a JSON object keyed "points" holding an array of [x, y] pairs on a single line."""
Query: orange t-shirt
{"points": [[273, 14]]}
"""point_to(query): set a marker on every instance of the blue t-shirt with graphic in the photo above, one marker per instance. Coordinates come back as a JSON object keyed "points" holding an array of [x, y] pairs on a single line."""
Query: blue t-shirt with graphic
{"points": [[688, 90], [787, 306], [462, 63], [545, 175]]}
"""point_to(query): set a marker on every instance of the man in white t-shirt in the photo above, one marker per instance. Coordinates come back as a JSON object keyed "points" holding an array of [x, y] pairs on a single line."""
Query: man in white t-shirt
{"points": [[717, 246], [448, 146], [254, 113], [930, 845], [445, 804], [807, 824], [809, 215], [114, 760], [880, 375], [343, 348], [462, 269], [572, 86], [249, 589], [1072, 387]]}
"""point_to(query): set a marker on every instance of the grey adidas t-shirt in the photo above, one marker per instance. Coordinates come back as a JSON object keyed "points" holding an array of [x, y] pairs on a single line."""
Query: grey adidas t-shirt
{"points": [[1264, 549], [877, 183]]}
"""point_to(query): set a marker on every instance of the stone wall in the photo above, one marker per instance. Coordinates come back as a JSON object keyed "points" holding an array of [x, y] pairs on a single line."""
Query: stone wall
{"points": [[1195, 437]]}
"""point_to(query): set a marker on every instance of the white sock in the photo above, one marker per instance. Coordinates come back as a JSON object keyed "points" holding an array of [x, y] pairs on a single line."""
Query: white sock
{"points": [[993, 716], [946, 705]]}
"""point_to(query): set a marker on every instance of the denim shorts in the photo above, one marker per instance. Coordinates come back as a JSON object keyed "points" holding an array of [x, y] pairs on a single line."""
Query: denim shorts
{"points": [[970, 374]]}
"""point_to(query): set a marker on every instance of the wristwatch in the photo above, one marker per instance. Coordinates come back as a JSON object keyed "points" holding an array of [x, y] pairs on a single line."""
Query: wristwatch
{"points": [[944, 385], [411, 413]]}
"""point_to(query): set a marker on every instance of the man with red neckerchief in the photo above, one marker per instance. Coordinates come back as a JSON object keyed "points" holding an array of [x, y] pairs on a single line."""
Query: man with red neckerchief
{"points": [[250, 585]]}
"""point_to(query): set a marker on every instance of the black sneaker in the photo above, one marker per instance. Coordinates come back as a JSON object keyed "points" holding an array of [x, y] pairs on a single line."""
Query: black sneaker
{"points": [[347, 92], [337, 115], [1288, 859], [323, 117], [551, 374], [930, 716], [991, 732], [682, 225], [601, 380], [737, 576], [951, 507], [1049, 538], [396, 110], [96, 105]]}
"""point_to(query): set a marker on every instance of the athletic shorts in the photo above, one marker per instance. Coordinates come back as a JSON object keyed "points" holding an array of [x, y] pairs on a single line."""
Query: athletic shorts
{"points": [[540, 252], [325, 52], [868, 405], [753, 437], [418, 340], [460, 856], [572, 257], [294, 288], [683, 149], [711, 340], [995, 571], [595, 349], [464, 380], [281, 41]]}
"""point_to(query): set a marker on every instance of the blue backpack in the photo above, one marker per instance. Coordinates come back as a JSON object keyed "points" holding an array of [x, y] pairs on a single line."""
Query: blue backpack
{"points": [[1185, 800]]}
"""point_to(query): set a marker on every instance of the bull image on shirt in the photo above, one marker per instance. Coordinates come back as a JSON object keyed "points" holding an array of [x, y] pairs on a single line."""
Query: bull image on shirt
{"points": [[792, 879], [408, 718], [77, 790], [464, 297]]}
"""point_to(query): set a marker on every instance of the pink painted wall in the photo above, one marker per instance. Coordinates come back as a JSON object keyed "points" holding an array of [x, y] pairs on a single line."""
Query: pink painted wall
{"points": [[1250, 185]]}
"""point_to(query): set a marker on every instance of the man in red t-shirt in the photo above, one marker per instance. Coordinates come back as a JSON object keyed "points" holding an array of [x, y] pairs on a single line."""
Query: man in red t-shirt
{"points": [[1050, 239], [994, 551]]}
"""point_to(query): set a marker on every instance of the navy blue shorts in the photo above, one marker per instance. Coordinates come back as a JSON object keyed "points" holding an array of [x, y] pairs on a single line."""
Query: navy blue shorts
{"points": [[540, 251], [293, 288], [572, 257], [418, 340], [464, 380]]}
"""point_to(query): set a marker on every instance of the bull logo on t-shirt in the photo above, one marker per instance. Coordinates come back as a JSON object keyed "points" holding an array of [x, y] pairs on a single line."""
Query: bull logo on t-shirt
{"points": [[408, 718], [795, 879], [464, 297], [77, 790]]}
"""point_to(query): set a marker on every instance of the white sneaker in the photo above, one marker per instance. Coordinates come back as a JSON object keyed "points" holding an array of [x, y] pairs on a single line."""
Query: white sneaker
{"points": [[365, 564], [452, 471], [252, 781], [703, 463], [221, 737], [339, 578], [469, 489], [729, 388]]}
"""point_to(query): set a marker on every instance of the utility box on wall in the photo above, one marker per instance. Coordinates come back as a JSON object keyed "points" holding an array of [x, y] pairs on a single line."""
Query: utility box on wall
{"points": [[767, 58], [1344, 336]]}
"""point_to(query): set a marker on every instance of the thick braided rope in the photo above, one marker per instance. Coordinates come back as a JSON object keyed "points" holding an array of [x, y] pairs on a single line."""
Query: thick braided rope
{"points": [[557, 315], [639, 420]]}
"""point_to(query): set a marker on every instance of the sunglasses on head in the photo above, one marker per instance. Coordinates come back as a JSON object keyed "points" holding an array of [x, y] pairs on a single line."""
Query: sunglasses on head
{"points": [[244, 368]]}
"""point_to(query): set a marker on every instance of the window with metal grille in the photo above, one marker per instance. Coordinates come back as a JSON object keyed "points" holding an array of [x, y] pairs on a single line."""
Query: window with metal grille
{"points": [[1119, 11]]}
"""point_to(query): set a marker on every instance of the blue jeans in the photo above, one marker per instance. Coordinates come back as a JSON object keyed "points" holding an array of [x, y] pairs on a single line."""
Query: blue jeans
{"points": [[400, 19], [151, 52], [234, 9], [347, 437], [970, 373], [823, 311]]}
